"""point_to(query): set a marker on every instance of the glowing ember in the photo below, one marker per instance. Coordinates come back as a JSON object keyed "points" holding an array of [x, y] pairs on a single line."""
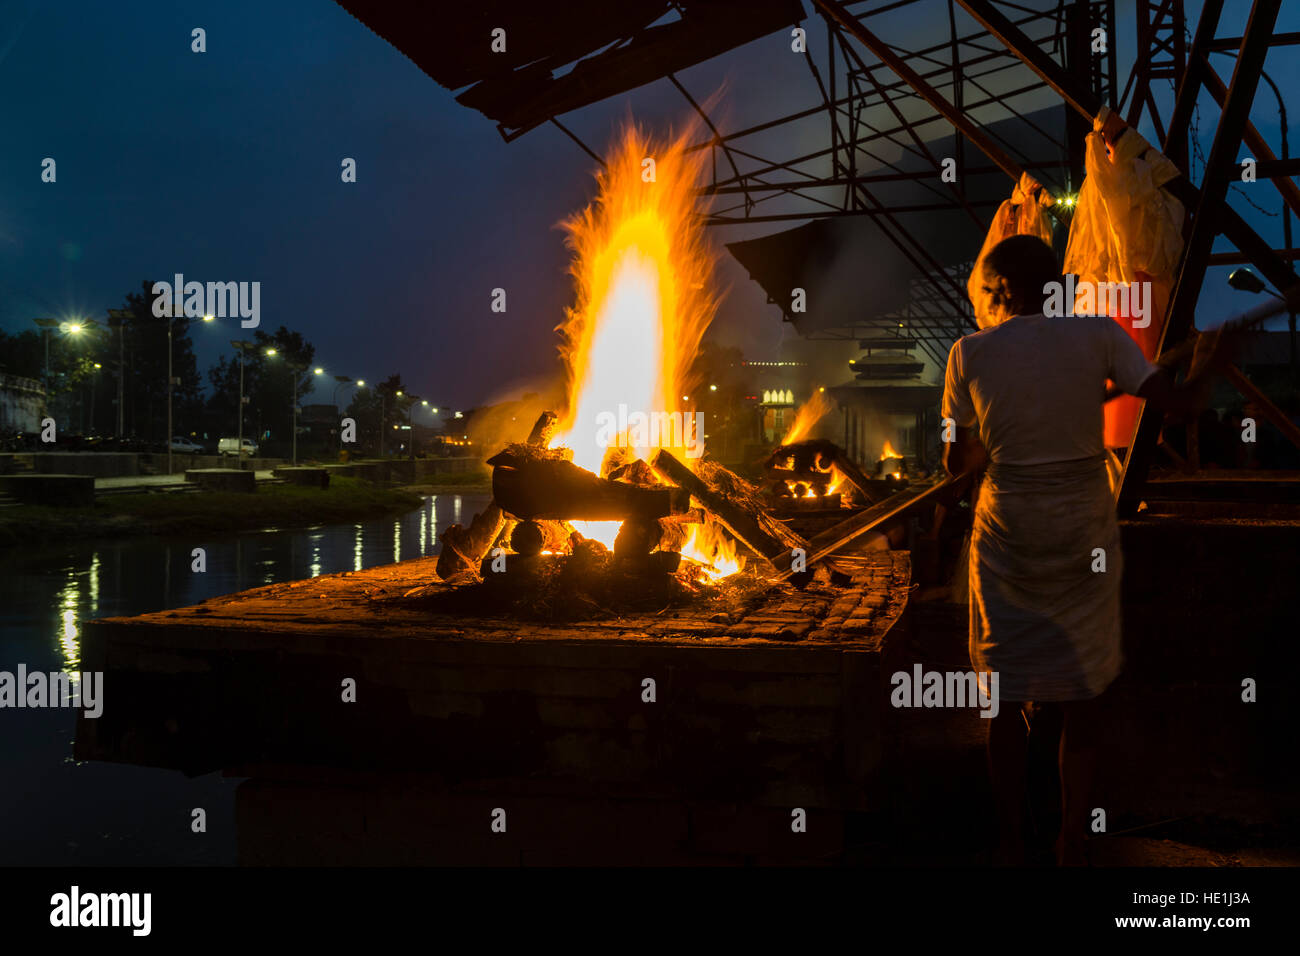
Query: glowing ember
{"points": [[642, 271], [710, 546], [809, 414]]}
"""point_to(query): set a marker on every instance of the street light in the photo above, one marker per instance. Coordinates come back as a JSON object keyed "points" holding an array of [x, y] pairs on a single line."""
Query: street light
{"points": [[1244, 280], [121, 315], [73, 327], [170, 316], [295, 368]]}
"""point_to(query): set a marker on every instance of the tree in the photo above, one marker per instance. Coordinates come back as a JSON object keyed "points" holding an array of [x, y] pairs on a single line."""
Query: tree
{"points": [[379, 407], [275, 384], [143, 350]]}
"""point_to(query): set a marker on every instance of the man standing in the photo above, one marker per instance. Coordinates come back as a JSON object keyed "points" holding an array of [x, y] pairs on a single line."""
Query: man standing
{"points": [[1026, 395]]}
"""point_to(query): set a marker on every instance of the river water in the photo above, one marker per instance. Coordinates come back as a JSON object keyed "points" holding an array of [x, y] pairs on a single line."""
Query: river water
{"points": [[58, 811]]}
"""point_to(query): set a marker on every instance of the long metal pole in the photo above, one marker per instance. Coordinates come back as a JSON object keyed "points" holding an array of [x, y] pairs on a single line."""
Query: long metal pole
{"points": [[239, 451], [121, 378], [1206, 223], [169, 394], [293, 413]]}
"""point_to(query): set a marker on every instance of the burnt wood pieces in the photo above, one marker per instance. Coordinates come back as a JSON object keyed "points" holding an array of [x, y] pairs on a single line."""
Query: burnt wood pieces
{"points": [[463, 549], [732, 501], [838, 536], [817, 456]]}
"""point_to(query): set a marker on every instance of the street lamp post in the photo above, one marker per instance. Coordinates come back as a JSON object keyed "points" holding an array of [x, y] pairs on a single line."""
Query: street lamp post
{"points": [[171, 317], [67, 328], [295, 370], [242, 346], [121, 315], [342, 380]]}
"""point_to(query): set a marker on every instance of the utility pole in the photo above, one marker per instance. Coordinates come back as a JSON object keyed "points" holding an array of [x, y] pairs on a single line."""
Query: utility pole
{"points": [[46, 326], [241, 346], [121, 315], [170, 382], [295, 370]]}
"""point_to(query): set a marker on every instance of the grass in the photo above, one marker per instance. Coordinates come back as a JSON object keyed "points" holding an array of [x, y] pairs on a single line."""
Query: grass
{"points": [[279, 506], [479, 480]]}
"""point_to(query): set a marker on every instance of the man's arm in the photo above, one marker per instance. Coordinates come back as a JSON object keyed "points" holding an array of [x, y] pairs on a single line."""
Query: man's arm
{"points": [[965, 455], [1213, 351]]}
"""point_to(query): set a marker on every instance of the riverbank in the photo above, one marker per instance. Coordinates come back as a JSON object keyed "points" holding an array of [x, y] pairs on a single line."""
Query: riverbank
{"points": [[271, 506], [477, 482]]}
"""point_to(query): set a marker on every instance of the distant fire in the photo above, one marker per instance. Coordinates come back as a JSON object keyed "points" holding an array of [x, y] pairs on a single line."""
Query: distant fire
{"points": [[807, 417], [888, 454], [642, 269]]}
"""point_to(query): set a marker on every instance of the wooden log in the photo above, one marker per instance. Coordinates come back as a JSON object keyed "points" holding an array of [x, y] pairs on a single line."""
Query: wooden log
{"points": [[855, 476], [543, 429], [732, 501], [549, 488], [463, 549], [837, 536]]}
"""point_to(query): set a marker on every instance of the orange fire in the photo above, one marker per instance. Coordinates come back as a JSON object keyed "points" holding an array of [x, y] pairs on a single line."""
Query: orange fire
{"points": [[809, 414], [888, 452], [642, 268]]}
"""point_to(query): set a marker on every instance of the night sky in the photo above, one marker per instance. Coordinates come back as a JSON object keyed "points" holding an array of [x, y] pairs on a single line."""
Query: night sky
{"points": [[225, 166]]}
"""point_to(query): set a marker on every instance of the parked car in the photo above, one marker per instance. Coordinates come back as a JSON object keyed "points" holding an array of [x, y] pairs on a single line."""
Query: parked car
{"points": [[231, 446], [184, 446]]}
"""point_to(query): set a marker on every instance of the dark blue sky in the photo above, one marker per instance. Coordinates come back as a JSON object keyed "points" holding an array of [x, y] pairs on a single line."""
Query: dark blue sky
{"points": [[225, 166]]}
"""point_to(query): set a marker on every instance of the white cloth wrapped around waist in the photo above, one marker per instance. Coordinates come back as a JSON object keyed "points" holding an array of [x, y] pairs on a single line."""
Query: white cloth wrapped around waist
{"points": [[1042, 613]]}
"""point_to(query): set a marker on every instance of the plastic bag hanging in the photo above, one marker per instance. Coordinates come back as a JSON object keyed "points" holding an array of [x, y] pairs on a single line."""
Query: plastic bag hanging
{"points": [[1125, 230], [1024, 214]]}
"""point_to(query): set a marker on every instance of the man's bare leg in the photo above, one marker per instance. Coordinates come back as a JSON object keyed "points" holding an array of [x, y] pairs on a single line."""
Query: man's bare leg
{"points": [[1008, 751], [1080, 734]]}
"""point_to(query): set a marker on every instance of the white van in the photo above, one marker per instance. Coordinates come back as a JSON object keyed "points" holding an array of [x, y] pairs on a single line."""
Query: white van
{"points": [[230, 446]]}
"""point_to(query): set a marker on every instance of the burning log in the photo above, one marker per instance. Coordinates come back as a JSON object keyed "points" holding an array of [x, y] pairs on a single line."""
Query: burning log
{"points": [[552, 488], [732, 501], [543, 429]]}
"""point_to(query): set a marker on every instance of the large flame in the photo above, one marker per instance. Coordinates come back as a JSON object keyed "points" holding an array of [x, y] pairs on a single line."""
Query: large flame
{"points": [[809, 414], [888, 452], [642, 271]]}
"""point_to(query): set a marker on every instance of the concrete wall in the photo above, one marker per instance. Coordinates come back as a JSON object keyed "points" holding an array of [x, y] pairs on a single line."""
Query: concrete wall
{"points": [[98, 464], [22, 402]]}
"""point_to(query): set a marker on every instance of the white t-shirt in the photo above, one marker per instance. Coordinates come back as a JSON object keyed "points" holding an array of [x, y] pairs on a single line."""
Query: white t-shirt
{"points": [[1035, 385]]}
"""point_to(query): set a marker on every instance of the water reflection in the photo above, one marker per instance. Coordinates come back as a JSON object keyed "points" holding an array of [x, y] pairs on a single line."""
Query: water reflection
{"points": [[106, 814], [134, 576]]}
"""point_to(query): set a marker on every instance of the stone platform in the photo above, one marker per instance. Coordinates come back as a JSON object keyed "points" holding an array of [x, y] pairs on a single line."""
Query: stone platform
{"points": [[778, 700]]}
